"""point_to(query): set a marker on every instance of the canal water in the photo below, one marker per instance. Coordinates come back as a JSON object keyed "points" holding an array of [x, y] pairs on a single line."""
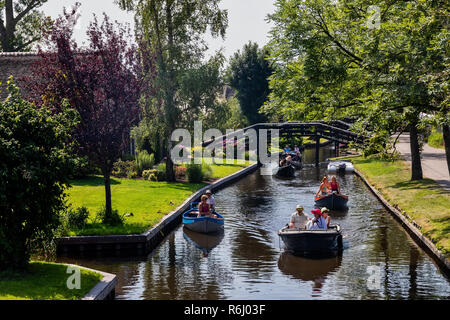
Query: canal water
{"points": [[247, 261]]}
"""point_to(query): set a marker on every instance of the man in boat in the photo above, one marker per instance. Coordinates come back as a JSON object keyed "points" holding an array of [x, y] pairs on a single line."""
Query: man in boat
{"points": [[298, 219], [211, 201], [318, 222]]}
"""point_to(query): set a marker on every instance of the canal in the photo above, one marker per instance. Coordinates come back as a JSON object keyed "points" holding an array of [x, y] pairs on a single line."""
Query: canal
{"points": [[247, 261]]}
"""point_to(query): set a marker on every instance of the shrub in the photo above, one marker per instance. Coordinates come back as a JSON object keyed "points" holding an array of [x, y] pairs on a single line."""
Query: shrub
{"points": [[207, 171], [161, 172], [77, 219], [194, 173], [147, 173], [144, 161], [124, 169], [180, 172], [115, 219]]}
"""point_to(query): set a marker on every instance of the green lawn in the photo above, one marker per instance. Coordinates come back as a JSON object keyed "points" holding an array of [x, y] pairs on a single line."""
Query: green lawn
{"points": [[149, 201], [45, 281], [436, 140], [424, 201]]}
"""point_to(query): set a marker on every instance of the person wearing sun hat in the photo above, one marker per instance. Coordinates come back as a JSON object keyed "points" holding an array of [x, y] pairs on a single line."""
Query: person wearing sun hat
{"points": [[298, 219], [318, 222], [211, 201], [326, 216]]}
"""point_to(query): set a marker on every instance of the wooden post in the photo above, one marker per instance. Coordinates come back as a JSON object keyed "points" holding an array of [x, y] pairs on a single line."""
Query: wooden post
{"points": [[336, 149], [317, 150]]}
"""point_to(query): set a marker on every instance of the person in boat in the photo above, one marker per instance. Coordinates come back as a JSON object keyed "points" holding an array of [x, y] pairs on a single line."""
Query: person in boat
{"points": [[204, 209], [324, 188], [318, 222], [334, 185], [326, 216], [287, 149], [288, 159], [211, 201], [298, 219]]}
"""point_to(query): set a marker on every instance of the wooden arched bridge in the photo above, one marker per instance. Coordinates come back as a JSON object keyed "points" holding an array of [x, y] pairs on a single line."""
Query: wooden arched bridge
{"points": [[335, 131]]}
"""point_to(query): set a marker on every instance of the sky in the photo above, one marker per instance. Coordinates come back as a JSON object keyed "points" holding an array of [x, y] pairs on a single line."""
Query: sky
{"points": [[246, 20]]}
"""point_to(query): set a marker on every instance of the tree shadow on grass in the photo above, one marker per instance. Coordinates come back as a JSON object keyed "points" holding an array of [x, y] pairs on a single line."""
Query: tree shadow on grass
{"points": [[93, 181], [425, 184]]}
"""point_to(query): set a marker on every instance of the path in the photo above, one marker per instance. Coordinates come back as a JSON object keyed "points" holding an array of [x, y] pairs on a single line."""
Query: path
{"points": [[434, 163]]}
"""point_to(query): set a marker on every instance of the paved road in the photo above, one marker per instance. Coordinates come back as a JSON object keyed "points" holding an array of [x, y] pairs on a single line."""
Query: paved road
{"points": [[434, 162]]}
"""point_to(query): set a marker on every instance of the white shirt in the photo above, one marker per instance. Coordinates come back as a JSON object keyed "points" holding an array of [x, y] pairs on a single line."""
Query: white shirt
{"points": [[299, 221], [211, 202]]}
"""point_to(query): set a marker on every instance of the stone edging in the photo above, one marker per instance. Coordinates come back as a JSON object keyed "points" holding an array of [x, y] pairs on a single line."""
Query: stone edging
{"points": [[105, 289], [410, 227], [151, 238]]}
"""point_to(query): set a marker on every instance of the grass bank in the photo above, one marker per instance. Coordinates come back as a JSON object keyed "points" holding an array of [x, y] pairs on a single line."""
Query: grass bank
{"points": [[148, 201], [424, 201], [45, 281]]}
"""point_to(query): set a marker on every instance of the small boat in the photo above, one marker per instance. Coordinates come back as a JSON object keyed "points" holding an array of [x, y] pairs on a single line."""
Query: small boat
{"points": [[202, 224], [300, 241], [286, 171], [341, 167], [333, 201]]}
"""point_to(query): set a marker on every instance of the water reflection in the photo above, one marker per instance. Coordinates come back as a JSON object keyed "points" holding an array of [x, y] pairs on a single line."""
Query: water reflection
{"points": [[204, 242], [313, 268]]}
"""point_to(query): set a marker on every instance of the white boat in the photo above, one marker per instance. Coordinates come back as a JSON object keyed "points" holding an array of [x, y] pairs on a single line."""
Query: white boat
{"points": [[341, 166]]}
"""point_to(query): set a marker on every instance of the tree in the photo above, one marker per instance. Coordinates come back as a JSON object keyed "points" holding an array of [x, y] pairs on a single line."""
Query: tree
{"points": [[171, 31], [248, 73], [21, 24], [35, 165], [100, 82], [331, 64]]}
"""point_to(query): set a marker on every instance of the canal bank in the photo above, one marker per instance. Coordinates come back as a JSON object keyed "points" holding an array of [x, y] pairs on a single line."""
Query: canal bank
{"points": [[421, 207]]}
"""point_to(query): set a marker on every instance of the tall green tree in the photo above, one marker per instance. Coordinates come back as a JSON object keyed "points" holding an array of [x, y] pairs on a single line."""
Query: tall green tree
{"points": [[248, 74], [21, 24], [332, 63], [171, 32], [35, 166]]}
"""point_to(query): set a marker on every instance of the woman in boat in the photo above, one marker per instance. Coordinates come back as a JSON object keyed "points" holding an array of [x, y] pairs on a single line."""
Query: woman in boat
{"points": [[334, 185], [318, 222], [325, 215], [204, 209], [324, 188]]}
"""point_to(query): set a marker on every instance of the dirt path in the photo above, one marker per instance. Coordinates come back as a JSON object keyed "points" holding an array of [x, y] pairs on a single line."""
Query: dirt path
{"points": [[434, 163]]}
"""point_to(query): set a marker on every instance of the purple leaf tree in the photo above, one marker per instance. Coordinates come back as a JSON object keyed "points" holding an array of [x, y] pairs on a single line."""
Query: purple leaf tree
{"points": [[101, 81]]}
